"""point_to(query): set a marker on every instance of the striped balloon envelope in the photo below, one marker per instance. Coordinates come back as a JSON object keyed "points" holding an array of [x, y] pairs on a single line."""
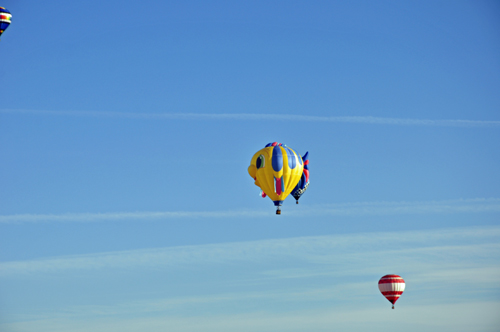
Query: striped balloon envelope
{"points": [[5, 19], [391, 286]]}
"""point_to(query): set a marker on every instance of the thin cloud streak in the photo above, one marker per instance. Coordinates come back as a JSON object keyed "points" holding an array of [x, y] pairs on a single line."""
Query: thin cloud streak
{"points": [[121, 216], [323, 252], [258, 117], [478, 205]]}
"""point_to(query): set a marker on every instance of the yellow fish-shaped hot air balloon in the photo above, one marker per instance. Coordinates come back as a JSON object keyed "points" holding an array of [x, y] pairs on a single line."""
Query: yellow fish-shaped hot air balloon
{"points": [[277, 170]]}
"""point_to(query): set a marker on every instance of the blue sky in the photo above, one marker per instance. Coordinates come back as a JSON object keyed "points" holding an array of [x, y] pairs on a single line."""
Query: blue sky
{"points": [[126, 130]]}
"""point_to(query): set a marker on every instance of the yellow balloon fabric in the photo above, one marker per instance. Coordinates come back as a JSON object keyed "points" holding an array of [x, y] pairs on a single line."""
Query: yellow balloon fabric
{"points": [[276, 169]]}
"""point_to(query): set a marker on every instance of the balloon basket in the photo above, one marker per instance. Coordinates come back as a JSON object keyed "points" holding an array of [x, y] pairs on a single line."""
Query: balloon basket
{"points": [[278, 211]]}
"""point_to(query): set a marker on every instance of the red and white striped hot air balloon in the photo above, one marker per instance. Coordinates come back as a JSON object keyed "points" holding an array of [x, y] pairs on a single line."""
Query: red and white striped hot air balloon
{"points": [[391, 286]]}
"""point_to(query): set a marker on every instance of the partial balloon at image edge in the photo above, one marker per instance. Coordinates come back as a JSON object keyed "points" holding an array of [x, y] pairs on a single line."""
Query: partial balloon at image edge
{"points": [[5, 19]]}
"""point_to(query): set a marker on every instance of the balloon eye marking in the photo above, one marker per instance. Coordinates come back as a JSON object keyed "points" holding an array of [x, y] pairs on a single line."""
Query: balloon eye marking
{"points": [[260, 162]]}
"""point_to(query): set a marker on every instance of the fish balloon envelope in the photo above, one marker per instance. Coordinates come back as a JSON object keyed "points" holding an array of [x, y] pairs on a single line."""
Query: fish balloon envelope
{"points": [[277, 170]]}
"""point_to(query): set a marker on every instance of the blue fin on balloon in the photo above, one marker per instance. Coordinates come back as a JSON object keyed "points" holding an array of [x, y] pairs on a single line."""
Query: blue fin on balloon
{"points": [[304, 158]]}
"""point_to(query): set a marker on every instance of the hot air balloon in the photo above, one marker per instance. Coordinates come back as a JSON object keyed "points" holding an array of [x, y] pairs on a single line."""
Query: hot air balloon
{"points": [[391, 286], [5, 17], [301, 187], [277, 170]]}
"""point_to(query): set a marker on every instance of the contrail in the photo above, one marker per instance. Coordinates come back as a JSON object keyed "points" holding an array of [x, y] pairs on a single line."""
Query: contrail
{"points": [[113, 216], [477, 205], [257, 117]]}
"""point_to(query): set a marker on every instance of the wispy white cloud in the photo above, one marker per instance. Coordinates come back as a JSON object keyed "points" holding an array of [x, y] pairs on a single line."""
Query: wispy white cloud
{"points": [[257, 117], [477, 205], [116, 216], [447, 267], [321, 251]]}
